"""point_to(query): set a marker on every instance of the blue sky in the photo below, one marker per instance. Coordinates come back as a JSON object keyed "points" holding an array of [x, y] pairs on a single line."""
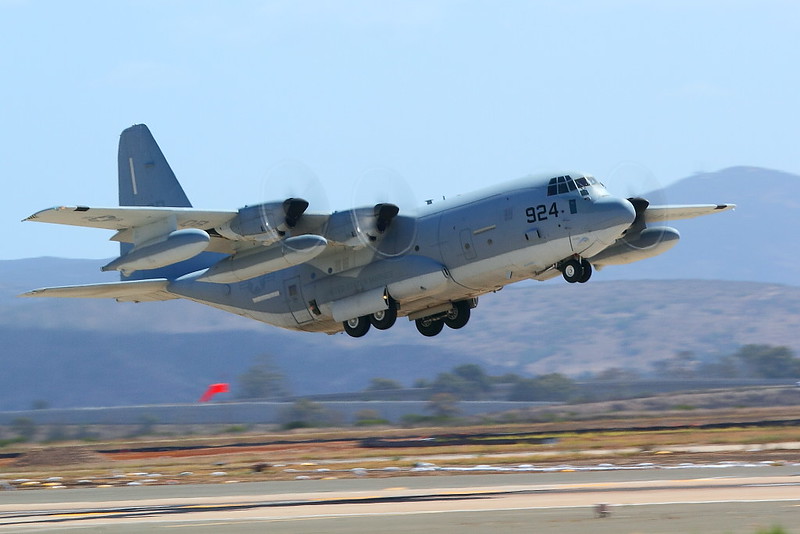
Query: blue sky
{"points": [[251, 101]]}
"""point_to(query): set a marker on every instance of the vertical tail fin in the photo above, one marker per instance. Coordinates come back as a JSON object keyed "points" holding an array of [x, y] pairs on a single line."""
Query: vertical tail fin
{"points": [[145, 177]]}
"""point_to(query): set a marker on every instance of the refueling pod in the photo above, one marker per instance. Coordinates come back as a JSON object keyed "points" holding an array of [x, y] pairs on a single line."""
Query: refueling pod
{"points": [[648, 243], [176, 246]]}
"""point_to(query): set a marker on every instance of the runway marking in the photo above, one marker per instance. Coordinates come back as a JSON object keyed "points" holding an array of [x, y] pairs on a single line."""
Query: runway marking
{"points": [[483, 500], [271, 519]]}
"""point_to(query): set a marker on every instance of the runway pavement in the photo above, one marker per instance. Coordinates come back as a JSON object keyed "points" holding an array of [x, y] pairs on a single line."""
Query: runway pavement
{"points": [[736, 500]]}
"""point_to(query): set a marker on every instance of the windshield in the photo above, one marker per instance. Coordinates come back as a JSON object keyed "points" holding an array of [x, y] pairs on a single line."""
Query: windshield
{"points": [[566, 184]]}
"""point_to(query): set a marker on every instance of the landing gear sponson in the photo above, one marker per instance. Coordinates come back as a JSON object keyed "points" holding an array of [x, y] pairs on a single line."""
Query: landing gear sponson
{"points": [[456, 317], [576, 270]]}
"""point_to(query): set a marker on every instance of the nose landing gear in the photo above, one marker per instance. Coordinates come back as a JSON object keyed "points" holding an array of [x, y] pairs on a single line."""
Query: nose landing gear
{"points": [[575, 270]]}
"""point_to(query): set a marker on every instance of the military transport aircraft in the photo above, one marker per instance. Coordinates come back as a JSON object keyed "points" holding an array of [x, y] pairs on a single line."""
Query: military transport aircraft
{"points": [[349, 270]]}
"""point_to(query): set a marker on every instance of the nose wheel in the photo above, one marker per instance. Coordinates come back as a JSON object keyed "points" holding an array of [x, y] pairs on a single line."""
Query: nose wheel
{"points": [[576, 271]]}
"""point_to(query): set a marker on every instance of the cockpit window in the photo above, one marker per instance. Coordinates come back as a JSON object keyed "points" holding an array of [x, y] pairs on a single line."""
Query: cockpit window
{"points": [[564, 184], [552, 189]]}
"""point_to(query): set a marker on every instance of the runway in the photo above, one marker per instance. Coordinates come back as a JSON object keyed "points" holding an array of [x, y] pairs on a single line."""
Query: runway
{"points": [[740, 500]]}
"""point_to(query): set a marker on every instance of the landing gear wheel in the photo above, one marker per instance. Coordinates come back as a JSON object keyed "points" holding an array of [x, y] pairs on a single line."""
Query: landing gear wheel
{"points": [[458, 317], [572, 271], [429, 327], [357, 327], [587, 272], [384, 319]]}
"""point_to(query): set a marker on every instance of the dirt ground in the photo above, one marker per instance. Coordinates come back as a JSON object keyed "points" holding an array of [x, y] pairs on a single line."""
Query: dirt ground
{"points": [[331, 453]]}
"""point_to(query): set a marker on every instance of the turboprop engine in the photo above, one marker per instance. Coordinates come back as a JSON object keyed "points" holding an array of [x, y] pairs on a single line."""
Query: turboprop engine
{"points": [[266, 223], [176, 246]]}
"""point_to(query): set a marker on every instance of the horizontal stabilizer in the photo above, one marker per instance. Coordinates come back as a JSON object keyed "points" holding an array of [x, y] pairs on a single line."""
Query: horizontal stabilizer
{"points": [[133, 291], [656, 214]]}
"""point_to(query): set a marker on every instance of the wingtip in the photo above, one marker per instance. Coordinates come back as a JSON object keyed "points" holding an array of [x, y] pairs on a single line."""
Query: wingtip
{"points": [[35, 216]]}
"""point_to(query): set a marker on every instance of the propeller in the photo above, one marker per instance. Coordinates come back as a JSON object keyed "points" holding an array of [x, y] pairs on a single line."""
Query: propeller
{"points": [[640, 206], [384, 214], [294, 208], [382, 217], [300, 188], [643, 189]]}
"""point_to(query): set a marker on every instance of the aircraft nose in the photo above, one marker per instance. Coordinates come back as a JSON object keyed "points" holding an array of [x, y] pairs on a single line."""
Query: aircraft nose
{"points": [[615, 211]]}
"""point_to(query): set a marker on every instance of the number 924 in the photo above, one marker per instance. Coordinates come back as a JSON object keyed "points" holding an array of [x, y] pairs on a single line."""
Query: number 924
{"points": [[540, 212]]}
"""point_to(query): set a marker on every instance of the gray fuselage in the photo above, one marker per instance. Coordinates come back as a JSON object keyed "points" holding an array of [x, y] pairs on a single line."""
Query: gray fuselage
{"points": [[446, 252]]}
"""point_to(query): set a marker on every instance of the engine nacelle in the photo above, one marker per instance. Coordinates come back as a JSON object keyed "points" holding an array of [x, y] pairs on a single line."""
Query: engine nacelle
{"points": [[266, 222], [177, 246], [650, 242], [361, 226], [252, 224]]}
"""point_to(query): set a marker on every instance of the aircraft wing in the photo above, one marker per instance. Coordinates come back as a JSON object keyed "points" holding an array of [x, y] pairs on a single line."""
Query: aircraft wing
{"points": [[124, 217], [655, 214], [132, 291]]}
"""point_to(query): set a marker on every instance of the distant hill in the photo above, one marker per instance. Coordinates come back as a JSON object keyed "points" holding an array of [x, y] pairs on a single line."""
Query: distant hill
{"points": [[90, 353], [754, 243], [76, 352]]}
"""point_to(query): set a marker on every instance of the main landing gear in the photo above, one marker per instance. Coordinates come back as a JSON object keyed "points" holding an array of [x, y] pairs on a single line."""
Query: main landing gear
{"points": [[575, 270], [357, 327], [455, 318], [382, 320]]}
